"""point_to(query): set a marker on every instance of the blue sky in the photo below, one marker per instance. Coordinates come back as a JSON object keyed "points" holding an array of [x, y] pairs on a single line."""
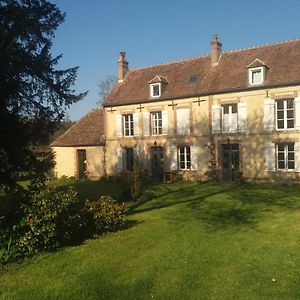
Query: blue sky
{"points": [[153, 32]]}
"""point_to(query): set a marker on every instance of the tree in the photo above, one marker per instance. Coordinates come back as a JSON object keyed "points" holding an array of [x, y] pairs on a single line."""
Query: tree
{"points": [[33, 93], [105, 85]]}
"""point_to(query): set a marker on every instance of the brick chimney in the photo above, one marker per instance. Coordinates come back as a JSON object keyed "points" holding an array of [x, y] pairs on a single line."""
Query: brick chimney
{"points": [[216, 50], [122, 66]]}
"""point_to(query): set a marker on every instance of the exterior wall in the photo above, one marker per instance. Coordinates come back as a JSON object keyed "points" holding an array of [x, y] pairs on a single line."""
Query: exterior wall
{"points": [[66, 161], [252, 140]]}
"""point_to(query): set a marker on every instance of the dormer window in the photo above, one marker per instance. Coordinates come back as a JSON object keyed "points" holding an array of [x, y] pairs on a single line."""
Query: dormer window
{"points": [[155, 90], [157, 86], [256, 76], [257, 71]]}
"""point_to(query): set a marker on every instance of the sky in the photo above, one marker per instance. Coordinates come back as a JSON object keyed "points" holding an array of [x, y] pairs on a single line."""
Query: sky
{"points": [[158, 31]]}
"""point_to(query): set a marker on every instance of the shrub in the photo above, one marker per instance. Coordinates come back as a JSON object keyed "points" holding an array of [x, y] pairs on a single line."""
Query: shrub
{"points": [[137, 179], [105, 214], [54, 217]]}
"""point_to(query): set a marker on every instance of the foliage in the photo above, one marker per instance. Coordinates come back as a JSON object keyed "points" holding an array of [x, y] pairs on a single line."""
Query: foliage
{"points": [[53, 218], [138, 178], [33, 93], [105, 214], [105, 86]]}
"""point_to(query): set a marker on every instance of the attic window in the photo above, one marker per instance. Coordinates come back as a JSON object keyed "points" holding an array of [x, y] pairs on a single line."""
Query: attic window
{"points": [[192, 79], [155, 90]]}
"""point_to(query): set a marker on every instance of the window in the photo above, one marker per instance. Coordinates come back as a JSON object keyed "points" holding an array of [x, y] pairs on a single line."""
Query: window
{"points": [[184, 154], [155, 90], [285, 156], [128, 125], [192, 79], [156, 123], [285, 113], [128, 159], [256, 75], [229, 118]]}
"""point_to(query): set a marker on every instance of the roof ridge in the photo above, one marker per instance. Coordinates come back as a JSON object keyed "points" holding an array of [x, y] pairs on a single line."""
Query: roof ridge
{"points": [[170, 62], [206, 55], [262, 45]]}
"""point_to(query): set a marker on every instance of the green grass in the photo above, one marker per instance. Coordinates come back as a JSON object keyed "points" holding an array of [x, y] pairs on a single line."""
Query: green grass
{"points": [[192, 241]]}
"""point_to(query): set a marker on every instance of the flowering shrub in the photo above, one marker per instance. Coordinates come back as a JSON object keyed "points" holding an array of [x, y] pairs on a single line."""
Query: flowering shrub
{"points": [[105, 214]]}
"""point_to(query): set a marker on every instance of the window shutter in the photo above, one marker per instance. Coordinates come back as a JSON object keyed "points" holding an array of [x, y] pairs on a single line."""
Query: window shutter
{"points": [[270, 157], [118, 125], [146, 123], [242, 117], [165, 122], [183, 121], [120, 160], [173, 158], [136, 125], [194, 158], [297, 157], [215, 118], [297, 113], [269, 113]]}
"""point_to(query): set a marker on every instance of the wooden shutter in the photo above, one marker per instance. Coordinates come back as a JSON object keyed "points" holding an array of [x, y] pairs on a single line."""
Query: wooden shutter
{"points": [[194, 157], [242, 117], [297, 157], [297, 113], [120, 160], [215, 118], [165, 122], [183, 121], [173, 158], [146, 123], [270, 157], [269, 113], [118, 125], [136, 124]]}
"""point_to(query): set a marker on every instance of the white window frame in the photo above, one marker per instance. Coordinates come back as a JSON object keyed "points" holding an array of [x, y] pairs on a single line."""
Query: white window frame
{"points": [[184, 151], [285, 118], [285, 152], [130, 123], [230, 116], [250, 75], [156, 123], [152, 85]]}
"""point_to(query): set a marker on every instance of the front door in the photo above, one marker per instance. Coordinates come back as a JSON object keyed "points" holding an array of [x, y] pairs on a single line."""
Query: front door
{"points": [[230, 161], [81, 160], [157, 162]]}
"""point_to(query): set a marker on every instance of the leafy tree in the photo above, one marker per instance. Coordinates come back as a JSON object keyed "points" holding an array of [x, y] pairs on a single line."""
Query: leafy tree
{"points": [[33, 93]]}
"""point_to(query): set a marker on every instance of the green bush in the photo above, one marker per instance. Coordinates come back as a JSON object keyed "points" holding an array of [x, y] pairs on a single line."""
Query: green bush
{"points": [[105, 214], [53, 218]]}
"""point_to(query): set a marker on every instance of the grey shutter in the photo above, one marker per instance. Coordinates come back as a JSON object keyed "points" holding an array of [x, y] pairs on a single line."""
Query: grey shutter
{"points": [[136, 124], [118, 125], [165, 122], [173, 158], [270, 157], [297, 157], [194, 158], [120, 160], [215, 118], [146, 123], [242, 117], [269, 112], [297, 113]]}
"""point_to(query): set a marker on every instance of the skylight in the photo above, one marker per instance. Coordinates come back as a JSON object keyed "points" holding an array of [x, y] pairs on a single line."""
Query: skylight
{"points": [[192, 79]]}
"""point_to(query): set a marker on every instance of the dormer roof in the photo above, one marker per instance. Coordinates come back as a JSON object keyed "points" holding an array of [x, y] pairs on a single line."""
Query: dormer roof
{"points": [[256, 64], [158, 79]]}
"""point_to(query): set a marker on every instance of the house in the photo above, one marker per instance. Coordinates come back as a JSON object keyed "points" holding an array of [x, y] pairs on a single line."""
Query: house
{"points": [[222, 115]]}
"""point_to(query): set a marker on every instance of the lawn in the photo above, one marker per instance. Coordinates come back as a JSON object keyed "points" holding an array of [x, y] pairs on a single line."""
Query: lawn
{"points": [[192, 241]]}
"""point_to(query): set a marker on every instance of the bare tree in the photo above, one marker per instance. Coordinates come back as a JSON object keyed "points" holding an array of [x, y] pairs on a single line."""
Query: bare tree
{"points": [[105, 86]]}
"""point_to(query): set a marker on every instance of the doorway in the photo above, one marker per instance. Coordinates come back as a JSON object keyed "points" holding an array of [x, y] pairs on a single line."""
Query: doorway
{"points": [[230, 161], [157, 162], [81, 161]]}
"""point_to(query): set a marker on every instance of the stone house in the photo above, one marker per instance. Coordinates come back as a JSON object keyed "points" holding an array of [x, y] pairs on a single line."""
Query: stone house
{"points": [[223, 115]]}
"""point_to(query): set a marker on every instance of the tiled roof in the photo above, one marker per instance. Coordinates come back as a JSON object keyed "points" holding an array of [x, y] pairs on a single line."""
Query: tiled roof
{"points": [[230, 74], [88, 131]]}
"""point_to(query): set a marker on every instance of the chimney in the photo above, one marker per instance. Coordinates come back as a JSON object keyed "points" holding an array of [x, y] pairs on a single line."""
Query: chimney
{"points": [[122, 66], [216, 50]]}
